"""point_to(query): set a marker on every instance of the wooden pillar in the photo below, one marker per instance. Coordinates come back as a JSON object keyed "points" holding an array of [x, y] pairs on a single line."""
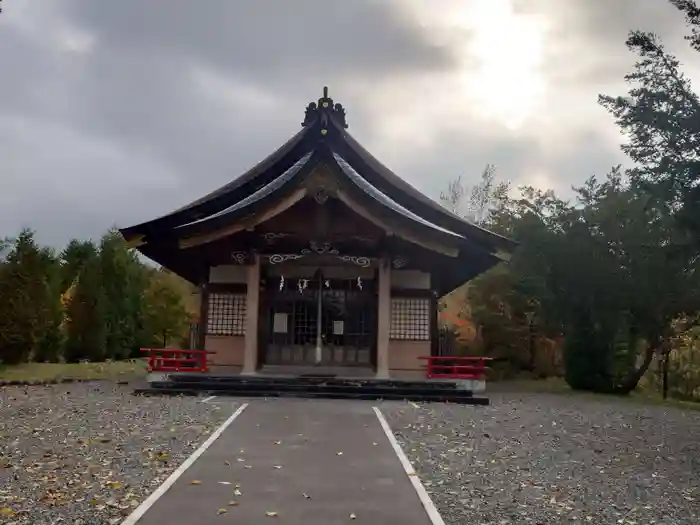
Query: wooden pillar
{"points": [[250, 356], [383, 317]]}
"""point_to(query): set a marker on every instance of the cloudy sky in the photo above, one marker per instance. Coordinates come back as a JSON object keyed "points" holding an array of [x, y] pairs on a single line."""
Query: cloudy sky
{"points": [[117, 112]]}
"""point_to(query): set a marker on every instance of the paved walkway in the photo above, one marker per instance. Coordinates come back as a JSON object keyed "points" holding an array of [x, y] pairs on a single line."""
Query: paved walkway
{"points": [[310, 462]]}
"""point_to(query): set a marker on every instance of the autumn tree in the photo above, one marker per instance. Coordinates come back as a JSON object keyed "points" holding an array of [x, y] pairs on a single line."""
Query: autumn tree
{"points": [[165, 316], [49, 346], [86, 327]]}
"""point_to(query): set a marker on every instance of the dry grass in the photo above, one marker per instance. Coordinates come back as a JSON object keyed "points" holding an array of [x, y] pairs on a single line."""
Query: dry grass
{"points": [[47, 372]]}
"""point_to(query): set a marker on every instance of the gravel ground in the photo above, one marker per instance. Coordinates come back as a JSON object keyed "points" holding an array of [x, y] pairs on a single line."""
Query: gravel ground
{"points": [[87, 454], [554, 459]]}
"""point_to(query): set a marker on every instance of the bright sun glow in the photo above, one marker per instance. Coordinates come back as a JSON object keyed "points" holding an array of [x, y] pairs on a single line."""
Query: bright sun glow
{"points": [[508, 47]]}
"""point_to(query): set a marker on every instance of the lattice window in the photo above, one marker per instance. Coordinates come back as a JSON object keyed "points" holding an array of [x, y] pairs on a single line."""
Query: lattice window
{"points": [[226, 314], [410, 319]]}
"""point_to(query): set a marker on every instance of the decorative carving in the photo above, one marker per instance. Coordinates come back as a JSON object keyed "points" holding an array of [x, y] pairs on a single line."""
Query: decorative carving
{"points": [[239, 257], [321, 196], [321, 178], [282, 257], [399, 262], [271, 237], [322, 111], [360, 261], [320, 248]]}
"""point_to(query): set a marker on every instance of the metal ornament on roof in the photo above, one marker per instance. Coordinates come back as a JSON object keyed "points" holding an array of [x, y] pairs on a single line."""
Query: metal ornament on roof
{"points": [[324, 248], [399, 262], [272, 237], [277, 258], [239, 257], [361, 261], [322, 110]]}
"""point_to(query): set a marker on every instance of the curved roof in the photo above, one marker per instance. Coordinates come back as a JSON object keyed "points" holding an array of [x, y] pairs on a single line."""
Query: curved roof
{"points": [[324, 127]]}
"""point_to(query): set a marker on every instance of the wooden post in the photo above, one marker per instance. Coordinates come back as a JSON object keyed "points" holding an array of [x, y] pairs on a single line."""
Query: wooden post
{"points": [[250, 353], [383, 317]]}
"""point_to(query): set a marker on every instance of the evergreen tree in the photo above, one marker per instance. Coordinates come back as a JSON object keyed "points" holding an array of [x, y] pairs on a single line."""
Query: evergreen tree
{"points": [[50, 338], [86, 330], [23, 289], [123, 284]]}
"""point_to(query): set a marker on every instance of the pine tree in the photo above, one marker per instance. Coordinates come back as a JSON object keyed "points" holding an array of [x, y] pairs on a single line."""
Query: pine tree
{"points": [[123, 285], [86, 331], [22, 281]]}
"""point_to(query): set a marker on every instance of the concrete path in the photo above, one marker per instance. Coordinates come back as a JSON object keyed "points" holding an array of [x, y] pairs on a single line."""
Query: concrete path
{"points": [[295, 462]]}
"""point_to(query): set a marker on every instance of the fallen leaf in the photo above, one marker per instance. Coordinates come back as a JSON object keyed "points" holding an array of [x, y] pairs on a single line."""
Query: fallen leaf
{"points": [[352, 516], [237, 493], [233, 503], [224, 482], [195, 482], [278, 442], [271, 514], [7, 511], [278, 466], [227, 463], [339, 453], [305, 495], [221, 511]]}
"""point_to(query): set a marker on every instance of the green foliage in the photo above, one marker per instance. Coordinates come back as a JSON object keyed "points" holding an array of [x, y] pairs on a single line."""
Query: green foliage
{"points": [[589, 270], [24, 307], [165, 318], [93, 302], [123, 285], [660, 115], [86, 336], [50, 336]]}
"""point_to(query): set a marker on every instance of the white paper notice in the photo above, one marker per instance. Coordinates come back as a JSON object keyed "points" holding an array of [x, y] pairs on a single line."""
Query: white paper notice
{"points": [[279, 325]]}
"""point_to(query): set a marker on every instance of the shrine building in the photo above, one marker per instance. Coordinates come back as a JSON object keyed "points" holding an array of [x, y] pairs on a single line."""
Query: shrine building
{"points": [[319, 256]]}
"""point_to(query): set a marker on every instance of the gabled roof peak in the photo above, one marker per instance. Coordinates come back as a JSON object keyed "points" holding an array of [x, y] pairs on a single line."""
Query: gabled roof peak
{"points": [[323, 110]]}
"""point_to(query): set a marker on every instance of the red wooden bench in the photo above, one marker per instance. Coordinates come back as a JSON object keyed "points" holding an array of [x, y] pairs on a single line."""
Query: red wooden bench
{"points": [[176, 360], [456, 367]]}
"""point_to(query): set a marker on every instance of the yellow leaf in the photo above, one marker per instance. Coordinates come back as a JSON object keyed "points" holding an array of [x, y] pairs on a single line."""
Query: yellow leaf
{"points": [[271, 514], [113, 484], [195, 482], [221, 511], [7, 511]]}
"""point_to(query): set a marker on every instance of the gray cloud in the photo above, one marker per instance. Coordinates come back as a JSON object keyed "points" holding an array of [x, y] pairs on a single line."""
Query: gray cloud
{"points": [[116, 112]]}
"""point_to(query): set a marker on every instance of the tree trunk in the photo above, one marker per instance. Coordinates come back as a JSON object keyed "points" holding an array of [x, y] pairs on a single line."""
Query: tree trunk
{"points": [[664, 372], [632, 381]]}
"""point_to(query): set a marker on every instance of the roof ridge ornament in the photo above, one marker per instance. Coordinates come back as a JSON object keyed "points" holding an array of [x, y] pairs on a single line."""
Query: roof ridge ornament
{"points": [[323, 111]]}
